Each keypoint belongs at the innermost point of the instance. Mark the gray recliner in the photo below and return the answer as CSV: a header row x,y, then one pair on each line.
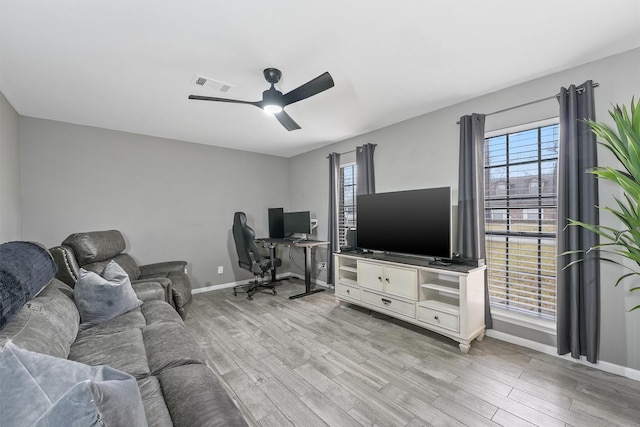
x,y
93,250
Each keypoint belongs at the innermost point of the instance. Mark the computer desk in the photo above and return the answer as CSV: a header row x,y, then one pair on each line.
x,y
306,245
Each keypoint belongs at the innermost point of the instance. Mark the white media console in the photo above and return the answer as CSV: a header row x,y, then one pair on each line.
x,y
448,300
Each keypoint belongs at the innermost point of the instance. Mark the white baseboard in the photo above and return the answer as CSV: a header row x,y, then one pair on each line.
x,y
612,368
232,284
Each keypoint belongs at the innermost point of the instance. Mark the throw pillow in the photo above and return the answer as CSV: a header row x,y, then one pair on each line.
x,y
103,297
40,390
25,268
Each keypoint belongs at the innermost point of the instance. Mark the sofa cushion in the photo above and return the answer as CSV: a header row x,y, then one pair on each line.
x,y
169,345
195,397
123,350
95,246
40,390
154,405
102,298
25,269
47,324
129,320
159,311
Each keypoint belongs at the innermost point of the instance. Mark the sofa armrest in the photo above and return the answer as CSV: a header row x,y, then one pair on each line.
x,y
163,283
149,291
162,267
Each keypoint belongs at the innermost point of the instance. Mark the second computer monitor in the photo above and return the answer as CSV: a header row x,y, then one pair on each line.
x,y
276,222
297,222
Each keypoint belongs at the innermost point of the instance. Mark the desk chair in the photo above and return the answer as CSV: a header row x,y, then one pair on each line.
x,y
250,258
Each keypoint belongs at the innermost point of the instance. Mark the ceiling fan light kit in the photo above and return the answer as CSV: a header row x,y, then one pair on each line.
x,y
273,101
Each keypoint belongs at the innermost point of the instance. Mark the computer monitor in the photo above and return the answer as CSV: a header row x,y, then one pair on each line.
x,y
276,223
297,222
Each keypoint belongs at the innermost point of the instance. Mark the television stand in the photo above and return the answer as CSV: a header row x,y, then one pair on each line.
x,y
447,299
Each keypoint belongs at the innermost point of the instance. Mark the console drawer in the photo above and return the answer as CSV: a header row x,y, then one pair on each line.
x,y
439,318
389,303
348,291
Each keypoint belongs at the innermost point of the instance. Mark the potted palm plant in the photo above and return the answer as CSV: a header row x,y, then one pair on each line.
x,y
624,143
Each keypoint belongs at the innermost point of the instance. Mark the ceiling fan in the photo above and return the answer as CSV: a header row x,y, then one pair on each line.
x,y
273,101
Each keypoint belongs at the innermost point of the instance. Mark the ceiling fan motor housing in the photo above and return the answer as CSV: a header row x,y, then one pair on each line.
x,y
272,75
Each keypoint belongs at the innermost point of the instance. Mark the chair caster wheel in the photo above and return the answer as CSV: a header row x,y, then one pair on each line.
x,y
235,294
274,292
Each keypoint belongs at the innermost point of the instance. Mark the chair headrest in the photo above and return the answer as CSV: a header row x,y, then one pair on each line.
x,y
94,246
240,218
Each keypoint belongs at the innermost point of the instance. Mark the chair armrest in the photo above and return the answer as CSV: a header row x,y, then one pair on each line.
x,y
162,267
255,267
149,291
164,283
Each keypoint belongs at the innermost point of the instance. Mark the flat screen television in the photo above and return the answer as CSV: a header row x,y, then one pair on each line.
x,y
413,222
297,222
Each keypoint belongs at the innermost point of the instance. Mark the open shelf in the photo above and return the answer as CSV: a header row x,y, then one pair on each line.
x,y
442,286
349,282
348,268
440,306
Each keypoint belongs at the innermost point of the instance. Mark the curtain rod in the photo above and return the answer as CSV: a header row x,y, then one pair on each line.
x,y
531,102
352,151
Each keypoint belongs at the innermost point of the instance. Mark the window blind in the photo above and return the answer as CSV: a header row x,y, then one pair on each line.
x,y
347,206
520,220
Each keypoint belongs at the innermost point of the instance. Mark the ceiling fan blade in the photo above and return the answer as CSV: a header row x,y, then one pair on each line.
x,y
287,121
319,84
211,98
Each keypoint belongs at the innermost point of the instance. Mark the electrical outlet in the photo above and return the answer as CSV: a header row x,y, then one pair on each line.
x,y
220,269
322,265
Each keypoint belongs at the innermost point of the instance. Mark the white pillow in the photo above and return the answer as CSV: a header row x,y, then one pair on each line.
x,y
103,297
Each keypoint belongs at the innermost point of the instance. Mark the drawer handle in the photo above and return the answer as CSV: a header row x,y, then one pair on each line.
x,y
348,291
387,279
386,301
380,278
435,317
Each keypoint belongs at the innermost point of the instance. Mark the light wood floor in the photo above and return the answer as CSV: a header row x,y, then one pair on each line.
x,y
315,362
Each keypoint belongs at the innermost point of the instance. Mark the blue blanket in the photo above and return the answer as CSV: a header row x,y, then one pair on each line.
x,y
25,268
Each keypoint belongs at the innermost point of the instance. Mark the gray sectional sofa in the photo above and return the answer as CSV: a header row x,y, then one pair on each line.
x,y
149,342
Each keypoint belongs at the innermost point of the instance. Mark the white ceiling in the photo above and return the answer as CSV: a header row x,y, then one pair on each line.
x,y
129,65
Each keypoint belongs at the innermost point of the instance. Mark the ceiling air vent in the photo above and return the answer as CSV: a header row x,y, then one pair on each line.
x,y
212,84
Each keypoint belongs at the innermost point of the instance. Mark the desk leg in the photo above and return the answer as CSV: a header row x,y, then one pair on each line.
x,y
272,253
307,276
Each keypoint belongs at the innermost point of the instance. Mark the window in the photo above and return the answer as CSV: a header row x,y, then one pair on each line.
x,y
347,207
520,219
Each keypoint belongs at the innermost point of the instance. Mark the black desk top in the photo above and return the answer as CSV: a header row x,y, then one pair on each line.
x,y
292,242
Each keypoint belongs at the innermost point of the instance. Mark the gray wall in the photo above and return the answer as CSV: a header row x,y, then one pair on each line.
x,y
171,199
423,152
10,210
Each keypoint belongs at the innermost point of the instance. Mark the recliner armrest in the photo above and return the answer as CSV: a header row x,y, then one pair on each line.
x,y
163,283
162,267
149,291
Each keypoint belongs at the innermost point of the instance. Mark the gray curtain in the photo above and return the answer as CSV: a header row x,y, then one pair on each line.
x,y
578,288
365,176
471,197
334,203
